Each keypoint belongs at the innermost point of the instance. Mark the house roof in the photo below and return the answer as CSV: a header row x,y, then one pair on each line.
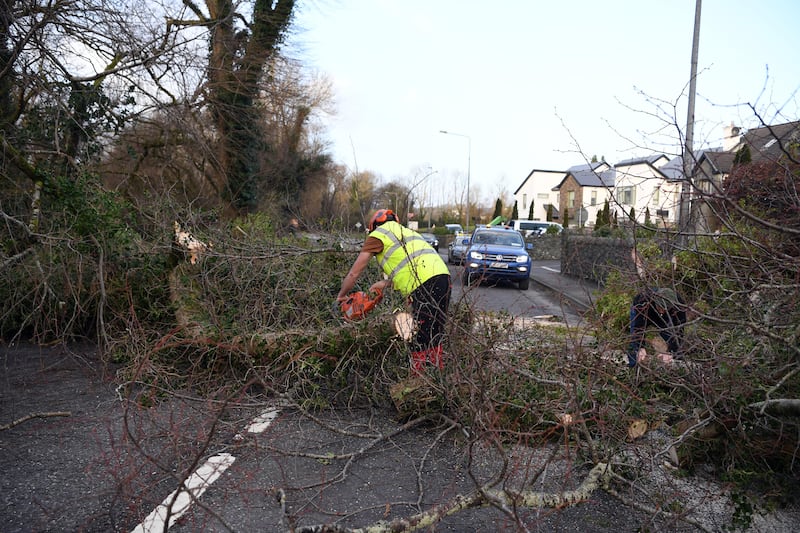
x,y
673,169
530,175
721,162
767,142
595,165
770,142
647,160
598,174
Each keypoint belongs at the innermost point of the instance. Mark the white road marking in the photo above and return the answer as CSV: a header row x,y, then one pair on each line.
x,y
180,500
262,421
195,485
557,271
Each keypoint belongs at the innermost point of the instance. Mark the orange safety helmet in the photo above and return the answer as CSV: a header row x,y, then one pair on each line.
x,y
381,216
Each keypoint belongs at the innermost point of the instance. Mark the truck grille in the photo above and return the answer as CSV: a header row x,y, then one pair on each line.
x,y
500,257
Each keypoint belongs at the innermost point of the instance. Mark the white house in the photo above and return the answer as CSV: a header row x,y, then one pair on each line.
x,y
537,188
648,184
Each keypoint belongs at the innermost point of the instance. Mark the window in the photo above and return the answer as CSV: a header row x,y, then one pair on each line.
x,y
543,196
571,199
656,195
593,200
625,195
524,201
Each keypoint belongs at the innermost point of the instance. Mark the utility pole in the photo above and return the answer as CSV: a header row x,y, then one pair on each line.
x,y
688,149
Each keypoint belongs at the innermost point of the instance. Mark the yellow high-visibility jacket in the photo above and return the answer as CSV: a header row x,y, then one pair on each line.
x,y
406,258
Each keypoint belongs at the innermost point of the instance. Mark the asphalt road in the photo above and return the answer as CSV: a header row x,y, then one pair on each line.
x,y
505,297
106,468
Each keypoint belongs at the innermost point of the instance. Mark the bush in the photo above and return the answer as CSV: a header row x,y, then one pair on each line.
x,y
86,268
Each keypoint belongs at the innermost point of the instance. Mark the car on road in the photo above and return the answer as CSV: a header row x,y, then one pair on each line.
x,y
431,239
457,249
532,228
498,253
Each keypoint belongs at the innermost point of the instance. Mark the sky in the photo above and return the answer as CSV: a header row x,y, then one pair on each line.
x,y
535,84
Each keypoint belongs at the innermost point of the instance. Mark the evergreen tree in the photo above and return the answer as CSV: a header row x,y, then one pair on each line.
x,y
632,215
565,222
530,212
549,212
743,156
603,217
514,212
498,209
647,222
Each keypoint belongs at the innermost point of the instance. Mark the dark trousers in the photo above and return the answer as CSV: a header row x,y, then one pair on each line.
x,y
669,323
429,304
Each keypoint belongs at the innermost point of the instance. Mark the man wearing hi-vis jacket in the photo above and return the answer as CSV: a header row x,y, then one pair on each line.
x,y
414,269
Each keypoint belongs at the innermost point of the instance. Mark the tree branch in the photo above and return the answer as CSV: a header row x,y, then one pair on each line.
x,y
18,159
598,477
778,406
651,510
32,416
14,258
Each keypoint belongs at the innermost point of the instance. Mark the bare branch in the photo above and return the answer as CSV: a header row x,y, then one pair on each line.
x,y
25,418
597,477
778,406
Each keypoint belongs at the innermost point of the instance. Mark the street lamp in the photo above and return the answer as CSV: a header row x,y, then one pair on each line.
x,y
469,158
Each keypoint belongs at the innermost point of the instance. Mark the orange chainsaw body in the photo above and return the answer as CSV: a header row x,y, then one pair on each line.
x,y
358,304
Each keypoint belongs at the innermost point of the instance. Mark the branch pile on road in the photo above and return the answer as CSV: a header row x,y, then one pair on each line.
x,y
252,311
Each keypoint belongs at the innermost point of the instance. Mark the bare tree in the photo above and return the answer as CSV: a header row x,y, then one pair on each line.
x,y
59,66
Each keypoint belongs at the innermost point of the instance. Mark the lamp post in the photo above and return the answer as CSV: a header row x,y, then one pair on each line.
x,y
469,158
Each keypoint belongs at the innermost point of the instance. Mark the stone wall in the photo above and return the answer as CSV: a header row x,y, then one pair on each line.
x,y
545,247
594,258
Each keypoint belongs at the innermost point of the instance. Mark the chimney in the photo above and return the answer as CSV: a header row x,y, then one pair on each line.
x,y
731,137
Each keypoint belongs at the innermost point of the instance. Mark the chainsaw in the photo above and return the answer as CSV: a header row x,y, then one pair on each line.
x,y
358,304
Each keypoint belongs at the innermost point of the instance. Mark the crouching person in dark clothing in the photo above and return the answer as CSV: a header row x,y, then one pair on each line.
x,y
662,309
